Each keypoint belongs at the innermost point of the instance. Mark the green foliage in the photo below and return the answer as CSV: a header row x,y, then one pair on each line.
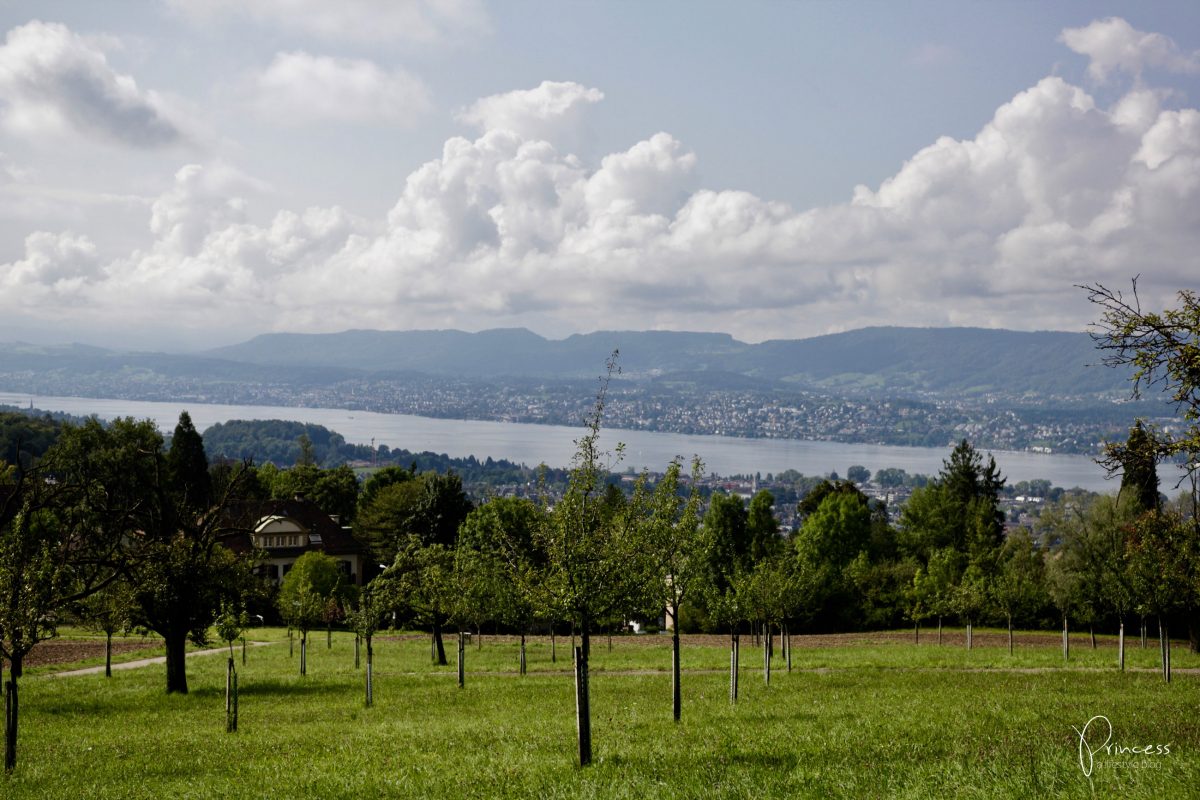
x,y
150,507
499,562
761,526
1138,461
1163,348
675,547
23,438
231,621
1018,589
313,581
430,507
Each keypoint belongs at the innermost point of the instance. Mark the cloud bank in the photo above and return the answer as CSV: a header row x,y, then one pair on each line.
x,y
509,227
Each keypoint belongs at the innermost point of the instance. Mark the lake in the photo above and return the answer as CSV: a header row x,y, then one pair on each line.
x,y
554,444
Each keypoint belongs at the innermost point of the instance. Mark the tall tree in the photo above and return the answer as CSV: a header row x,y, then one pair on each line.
x,y
762,527
1163,348
157,505
1138,462
430,506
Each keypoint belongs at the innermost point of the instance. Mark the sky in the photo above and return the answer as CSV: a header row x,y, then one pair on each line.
x,y
184,174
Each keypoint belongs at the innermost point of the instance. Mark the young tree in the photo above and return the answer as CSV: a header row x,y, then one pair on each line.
x,y
305,592
1161,553
678,550
590,549
230,624
365,621
108,611
496,548
420,584
47,563
1019,586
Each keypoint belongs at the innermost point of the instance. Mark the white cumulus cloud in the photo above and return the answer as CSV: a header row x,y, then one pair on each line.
x,y
544,112
53,81
298,88
1113,45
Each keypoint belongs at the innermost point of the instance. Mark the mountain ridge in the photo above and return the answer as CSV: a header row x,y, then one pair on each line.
x,y
880,360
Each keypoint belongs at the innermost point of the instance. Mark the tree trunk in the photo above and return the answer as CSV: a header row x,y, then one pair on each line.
x,y
970,640
462,657
1010,635
789,648
1143,633
230,722
1121,646
676,696
939,628
370,666
176,644
11,715
11,707
357,640
304,652
291,646
553,645
243,650
329,637
916,632
766,646
1092,633
1066,641
108,654
437,641
522,652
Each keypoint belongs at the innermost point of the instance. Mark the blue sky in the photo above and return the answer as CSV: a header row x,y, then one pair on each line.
x,y
179,174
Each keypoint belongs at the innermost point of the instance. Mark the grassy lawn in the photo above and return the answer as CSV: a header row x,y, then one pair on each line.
x,y
868,719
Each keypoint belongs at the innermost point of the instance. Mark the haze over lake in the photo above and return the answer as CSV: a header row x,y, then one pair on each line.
x,y
554,444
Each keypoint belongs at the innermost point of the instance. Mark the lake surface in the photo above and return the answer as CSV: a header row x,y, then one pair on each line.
x,y
554,444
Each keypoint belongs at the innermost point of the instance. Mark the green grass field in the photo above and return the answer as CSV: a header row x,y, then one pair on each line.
x,y
872,718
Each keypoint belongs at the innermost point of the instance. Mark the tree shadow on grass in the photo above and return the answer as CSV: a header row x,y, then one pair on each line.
x,y
272,687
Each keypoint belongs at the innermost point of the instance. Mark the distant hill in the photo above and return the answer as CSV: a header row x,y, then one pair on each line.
x,y
963,361
505,352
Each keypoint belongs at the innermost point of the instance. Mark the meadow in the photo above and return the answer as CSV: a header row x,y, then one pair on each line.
x,y
861,716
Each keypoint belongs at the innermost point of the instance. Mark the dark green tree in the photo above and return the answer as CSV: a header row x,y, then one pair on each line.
x,y
156,505
762,527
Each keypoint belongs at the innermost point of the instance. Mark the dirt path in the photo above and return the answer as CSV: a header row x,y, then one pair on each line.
x,y
145,662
